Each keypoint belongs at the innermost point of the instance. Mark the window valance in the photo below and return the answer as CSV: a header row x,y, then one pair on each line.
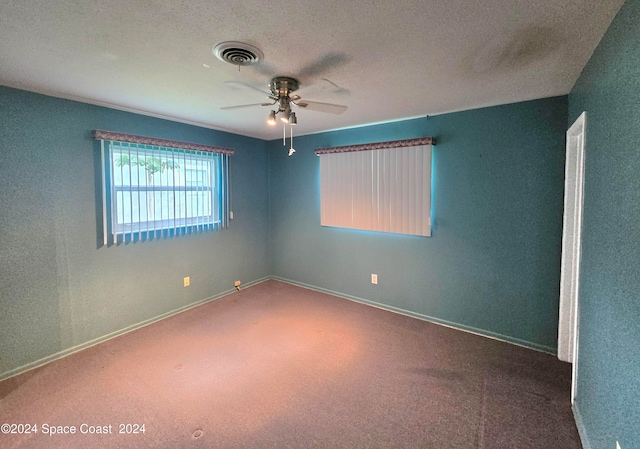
x,y
378,146
142,140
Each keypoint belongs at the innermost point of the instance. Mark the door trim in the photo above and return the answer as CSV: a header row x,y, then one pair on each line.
x,y
568,325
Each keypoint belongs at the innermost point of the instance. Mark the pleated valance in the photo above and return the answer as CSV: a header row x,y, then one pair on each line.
x,y
378,145
142,140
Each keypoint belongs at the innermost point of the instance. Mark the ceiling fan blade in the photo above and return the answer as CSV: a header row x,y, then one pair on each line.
x,y
322,107
246,106
324,64
247,86
337,89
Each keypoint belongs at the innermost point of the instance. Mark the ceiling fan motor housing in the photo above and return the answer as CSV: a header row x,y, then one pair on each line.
x,y
283,86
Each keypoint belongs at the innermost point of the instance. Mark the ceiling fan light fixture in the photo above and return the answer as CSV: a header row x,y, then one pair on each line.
x,y
272,118
281,88
285,115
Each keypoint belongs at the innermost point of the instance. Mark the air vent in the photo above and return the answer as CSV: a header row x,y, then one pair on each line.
x,y
237,53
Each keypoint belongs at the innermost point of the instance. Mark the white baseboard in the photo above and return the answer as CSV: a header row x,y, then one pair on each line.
x,y
88,344
450,324
457,326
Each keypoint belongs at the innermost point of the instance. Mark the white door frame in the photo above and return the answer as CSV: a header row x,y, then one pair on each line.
x,y
568,326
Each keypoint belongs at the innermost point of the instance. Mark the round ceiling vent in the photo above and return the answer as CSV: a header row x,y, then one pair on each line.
x,y
237,53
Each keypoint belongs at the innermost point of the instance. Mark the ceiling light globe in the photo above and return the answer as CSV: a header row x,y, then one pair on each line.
x,y
272,118
285,115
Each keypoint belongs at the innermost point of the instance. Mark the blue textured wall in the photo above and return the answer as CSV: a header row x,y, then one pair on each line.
x,y
493,262
57,289
608,395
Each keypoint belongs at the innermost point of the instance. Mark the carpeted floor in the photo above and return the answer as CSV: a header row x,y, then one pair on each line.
x,y
278,366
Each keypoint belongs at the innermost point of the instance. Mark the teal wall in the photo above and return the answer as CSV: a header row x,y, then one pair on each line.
x,y
493,262
58,290
608,397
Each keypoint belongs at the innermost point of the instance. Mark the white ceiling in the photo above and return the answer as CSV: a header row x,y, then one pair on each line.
x,y
390,60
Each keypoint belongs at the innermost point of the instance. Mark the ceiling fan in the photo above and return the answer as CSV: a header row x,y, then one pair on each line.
x,y
281,88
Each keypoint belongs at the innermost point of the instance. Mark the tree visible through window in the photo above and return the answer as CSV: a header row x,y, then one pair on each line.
x,y
162,190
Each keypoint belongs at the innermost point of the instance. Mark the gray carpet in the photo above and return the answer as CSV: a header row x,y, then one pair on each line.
x,y
278,366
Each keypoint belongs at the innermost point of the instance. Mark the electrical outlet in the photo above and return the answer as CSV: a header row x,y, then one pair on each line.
x,y
374,278
187,281
236,284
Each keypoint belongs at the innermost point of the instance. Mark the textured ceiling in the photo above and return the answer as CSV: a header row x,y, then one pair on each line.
x,y
385,60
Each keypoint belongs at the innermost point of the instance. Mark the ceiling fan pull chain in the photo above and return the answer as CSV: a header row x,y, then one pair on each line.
x,y
291,150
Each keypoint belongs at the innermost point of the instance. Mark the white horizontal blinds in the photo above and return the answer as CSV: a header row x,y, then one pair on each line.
x,y
154,191
386,189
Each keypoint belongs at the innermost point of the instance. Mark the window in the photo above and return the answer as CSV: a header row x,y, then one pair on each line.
x,y
156,188
382,187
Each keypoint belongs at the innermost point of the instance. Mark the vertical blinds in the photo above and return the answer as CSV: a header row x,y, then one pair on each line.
x,y
384,187
156,188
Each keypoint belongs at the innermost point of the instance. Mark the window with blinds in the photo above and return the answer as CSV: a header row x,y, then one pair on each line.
x,y
157,188
383,187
